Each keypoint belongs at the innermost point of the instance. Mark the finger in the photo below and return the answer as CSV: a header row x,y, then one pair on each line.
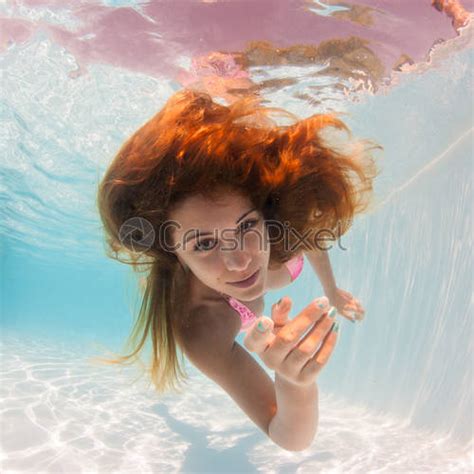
x,y
294,329
259,335
360,308
355,307
328,345
281,311
348,314
313,339
316,363
355,310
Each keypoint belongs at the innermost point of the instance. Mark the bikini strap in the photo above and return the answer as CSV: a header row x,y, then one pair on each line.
x,y
247,316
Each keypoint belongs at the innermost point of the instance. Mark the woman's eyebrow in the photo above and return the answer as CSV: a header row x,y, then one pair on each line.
x,y
243,215
201,234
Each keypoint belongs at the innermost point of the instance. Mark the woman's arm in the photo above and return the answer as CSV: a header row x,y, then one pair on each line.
x,y
208,342
319,260
295,423
346,304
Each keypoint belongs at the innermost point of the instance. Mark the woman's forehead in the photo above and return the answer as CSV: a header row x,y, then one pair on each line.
x,y
211,207
203,215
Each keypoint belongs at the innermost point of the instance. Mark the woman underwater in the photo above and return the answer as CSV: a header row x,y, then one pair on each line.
x,y
219,199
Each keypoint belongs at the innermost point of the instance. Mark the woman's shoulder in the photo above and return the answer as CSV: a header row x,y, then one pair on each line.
x,y
208,314
278,277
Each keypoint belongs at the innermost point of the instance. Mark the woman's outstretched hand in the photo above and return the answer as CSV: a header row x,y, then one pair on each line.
x,y
346,304
281,345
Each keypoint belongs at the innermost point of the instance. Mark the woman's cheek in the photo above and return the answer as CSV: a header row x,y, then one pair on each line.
x,y
212,263
264,239
257,237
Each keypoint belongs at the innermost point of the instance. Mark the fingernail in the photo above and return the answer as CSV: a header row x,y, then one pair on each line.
x,y
261,326
322,302
279,301
335,327
332,312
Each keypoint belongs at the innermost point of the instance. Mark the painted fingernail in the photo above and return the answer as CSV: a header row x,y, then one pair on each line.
x,y
335,327
332,312
261,326
322,302
279,301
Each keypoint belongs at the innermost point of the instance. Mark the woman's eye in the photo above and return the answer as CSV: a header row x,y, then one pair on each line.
x,y
253,222
202,247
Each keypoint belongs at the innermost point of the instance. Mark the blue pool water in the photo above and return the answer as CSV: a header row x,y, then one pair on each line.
x,y
396,396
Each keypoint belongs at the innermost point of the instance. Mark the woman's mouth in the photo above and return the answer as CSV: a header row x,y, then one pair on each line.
x,y
248,282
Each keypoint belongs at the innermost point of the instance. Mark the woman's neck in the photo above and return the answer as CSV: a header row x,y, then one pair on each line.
x,y
199,292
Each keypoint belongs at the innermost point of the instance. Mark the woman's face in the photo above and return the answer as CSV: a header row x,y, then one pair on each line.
x,y
222,242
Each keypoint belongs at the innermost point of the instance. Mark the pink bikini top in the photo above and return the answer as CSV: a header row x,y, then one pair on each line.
x,y
295,266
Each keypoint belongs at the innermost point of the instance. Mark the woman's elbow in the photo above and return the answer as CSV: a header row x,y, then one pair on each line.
x,y
296,447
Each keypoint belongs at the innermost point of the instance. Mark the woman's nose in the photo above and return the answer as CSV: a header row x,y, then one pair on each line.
x,y
236,261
